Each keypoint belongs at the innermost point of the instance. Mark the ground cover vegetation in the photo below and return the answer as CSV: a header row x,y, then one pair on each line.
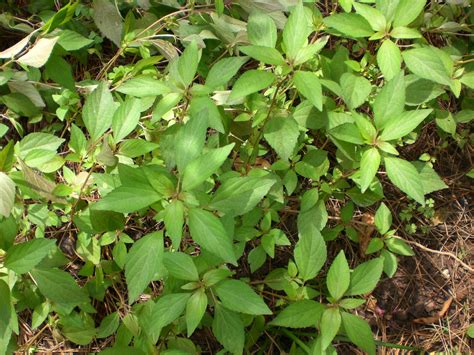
x,y
245,176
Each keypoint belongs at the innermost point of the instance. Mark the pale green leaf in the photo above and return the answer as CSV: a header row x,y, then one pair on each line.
x,y
407,11
349,24
209,232
224,70
310,253
261,30
296,31
174,221
228,329
195,309
126,118
282,135
126,199
22,257
251,81
405,176
373,16
369,165
98,111
239,297
390,101
403,124
359,332
143,86
355,89
307,83
168,308
265,55
38,55
427,64
7,193
180,266
300,314
365,277
383,219
338,276
389,59
330,324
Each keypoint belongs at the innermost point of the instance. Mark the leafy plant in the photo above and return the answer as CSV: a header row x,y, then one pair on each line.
x,y
170,144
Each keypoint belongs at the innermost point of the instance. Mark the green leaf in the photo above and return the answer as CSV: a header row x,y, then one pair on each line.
x,y
365,277
209,232
78,328
7,191
296,31
300,314
399,246
369,165
59,287
310,253
355,89
126,199
126,118
390,101
239,297
108,325
373,16
98,111
181,266
389,59
60,71
307,83
143,86
383,219
20,104
168,308
174,221
190,140
263,54
204,106
228,329
330,324
427,64
347,132
429,178
359,332
195,309
224,70
72,41
349,24
390,263
144,262
22,257
251,81
338,276
6,308
403,124
203,167
282,134
405,176
239,195
188,63
108,20
402,32
261,30
407,11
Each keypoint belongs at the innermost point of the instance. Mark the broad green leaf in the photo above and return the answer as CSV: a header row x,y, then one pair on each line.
x,y
310,51
190,139
429,178
60,71
351,303
349,24
355,89
144,263
239,195
38,55
209,232
168,308
405,176
365,277
369,165
307,83
126,199
346,5
206,107
403,124
98,111
195,309
239,297
197,171
108,20
7,191
402,32
72,41
181,266
300,314
39,141
383,219
78,328
251,81
310,253
22,257
407,11
174,221
59,287
427,64
261,30
166,104
263,54
347,132
5,307
315,217
399,246
296,31
108,325
188,63
126,118
143,86
282,134
224,70
389,59
40,313
359,332
330,324
373,16
338,276
390,101
228,329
